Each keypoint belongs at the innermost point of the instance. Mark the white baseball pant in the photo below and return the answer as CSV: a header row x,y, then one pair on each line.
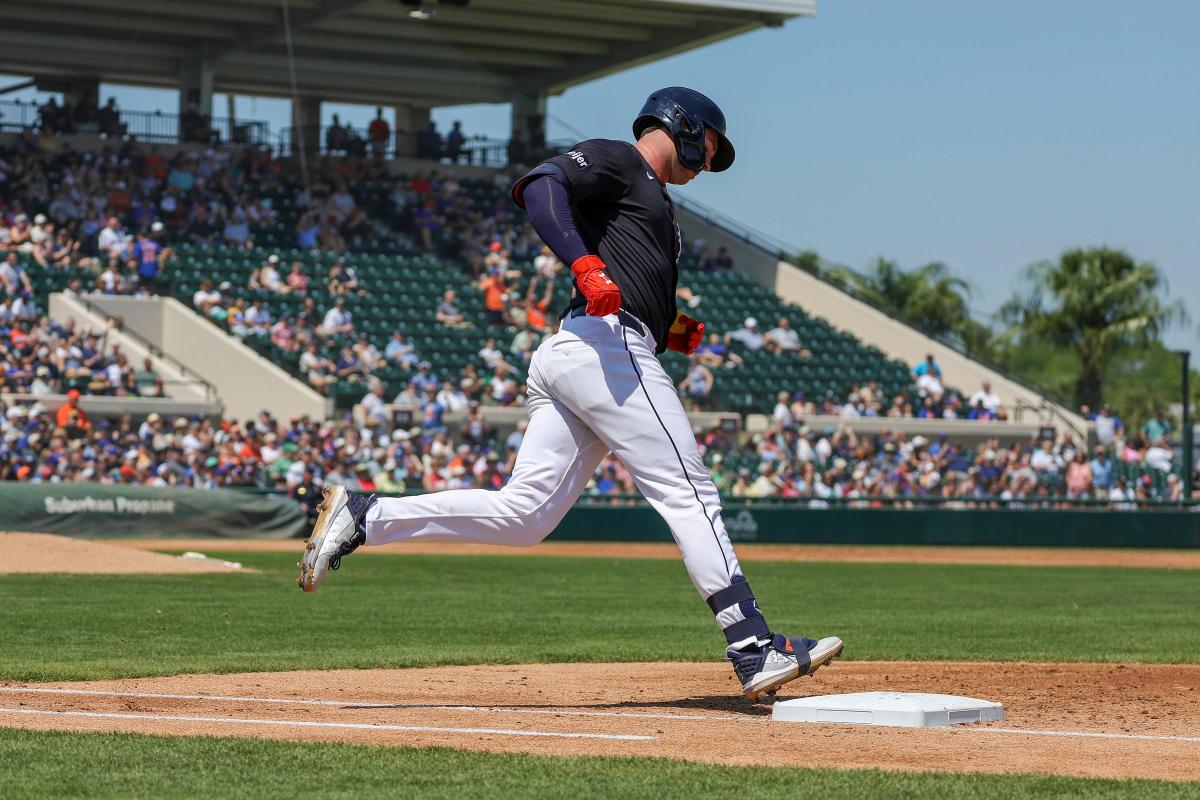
x,y
594,386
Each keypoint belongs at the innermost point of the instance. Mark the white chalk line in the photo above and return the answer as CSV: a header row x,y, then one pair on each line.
x,y
365,704
1088,734
357,726
361,704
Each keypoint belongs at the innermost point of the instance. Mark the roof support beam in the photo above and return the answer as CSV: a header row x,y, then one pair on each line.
x,y
464,36
667,43
298,20
334,45
86,23
633,30
207,10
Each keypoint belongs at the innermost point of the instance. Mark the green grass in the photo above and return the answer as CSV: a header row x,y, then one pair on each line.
x,y
97,765
398,611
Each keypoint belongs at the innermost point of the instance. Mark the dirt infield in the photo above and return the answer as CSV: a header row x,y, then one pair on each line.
x,y
44,552
1087,720
1011,556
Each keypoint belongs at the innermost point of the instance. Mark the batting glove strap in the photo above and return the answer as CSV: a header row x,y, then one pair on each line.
x,y
602,295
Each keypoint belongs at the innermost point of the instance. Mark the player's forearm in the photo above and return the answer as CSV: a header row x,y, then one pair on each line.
x,y
549,206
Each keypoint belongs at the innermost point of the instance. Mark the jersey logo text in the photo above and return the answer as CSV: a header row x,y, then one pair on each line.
x,y
579,159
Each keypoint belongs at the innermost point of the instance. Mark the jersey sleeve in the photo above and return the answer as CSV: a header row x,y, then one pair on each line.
x,y
595,170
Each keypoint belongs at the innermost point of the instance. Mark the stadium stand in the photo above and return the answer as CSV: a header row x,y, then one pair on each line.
x,y
352,298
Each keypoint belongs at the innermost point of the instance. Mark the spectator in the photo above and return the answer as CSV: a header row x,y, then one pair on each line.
x,y
714,353
495,297
297,281
148,257
401,351
375,407
1044,459
501,389
1108,427
1158,455
429,143
379,133
986,398
237,229
111,241
13,276
147,380
108,119
320,371
308,231
546,264
424,378
368,354
1157,427
70,416
491,355
335,137
206,297
338,321
536,310
1079,476
928,377
448,313
782,339
1101,468
748,335
268,276
454,143
697,384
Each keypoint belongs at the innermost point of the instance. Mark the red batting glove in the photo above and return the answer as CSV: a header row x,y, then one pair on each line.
x,y
602,295
685,334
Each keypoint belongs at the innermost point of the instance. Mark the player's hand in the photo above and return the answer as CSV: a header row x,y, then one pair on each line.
x,y
685,334
602,295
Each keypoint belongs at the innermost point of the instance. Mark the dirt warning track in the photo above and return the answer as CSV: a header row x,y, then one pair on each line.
x,y
1091,720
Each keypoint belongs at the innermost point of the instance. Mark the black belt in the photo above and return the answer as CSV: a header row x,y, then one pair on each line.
x,y
624,317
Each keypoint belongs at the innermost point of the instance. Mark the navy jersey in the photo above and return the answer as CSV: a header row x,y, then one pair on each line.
x,y
624,216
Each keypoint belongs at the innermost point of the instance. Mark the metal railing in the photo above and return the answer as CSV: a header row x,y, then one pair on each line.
x,y
476,150
155,127
192,378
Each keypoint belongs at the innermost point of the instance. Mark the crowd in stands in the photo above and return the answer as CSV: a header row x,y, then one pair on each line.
x,y
386,452
46,358
123,211
837,465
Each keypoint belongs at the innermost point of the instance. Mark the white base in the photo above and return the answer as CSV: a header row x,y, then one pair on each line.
x,y
894,709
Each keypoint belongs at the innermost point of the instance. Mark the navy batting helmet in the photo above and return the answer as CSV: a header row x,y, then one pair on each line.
x,y
685,113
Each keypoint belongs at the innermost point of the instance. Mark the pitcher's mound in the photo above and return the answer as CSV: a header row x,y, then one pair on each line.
x,y
45,552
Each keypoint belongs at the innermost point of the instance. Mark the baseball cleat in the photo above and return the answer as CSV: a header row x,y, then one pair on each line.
x,y
763,670
339,530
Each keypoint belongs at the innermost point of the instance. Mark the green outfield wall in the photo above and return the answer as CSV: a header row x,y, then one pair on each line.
x,y
138,511
92,509
1001,527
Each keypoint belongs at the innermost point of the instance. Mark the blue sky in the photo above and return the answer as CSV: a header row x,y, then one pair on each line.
x,y
984,135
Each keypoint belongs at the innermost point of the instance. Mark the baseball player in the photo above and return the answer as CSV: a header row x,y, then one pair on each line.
x,y
597,386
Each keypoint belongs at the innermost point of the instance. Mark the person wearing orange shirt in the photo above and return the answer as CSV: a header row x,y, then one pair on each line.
x,y
535,312
70,415
495,292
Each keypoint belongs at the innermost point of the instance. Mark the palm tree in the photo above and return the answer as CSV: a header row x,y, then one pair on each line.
x,y
929,297
1094,302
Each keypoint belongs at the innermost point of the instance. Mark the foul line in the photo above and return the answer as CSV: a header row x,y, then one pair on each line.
x,y
1088,734
366,704
358,726
361,704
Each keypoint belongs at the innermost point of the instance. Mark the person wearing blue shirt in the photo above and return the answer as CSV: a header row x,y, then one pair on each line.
x,y
145,253
1102,470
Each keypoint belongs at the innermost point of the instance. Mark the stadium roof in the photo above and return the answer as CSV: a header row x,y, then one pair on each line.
x,y
371,51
